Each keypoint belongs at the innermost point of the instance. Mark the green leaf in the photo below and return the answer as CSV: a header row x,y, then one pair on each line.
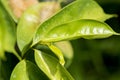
x,y
89,29
7,32
31,19
26,70
79,9
58,53
9,9
51,67
67,50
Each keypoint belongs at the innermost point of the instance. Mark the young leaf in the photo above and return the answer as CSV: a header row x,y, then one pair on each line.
x,y
31,19
51,67
79,9
26,70
67,50
58,53
89,29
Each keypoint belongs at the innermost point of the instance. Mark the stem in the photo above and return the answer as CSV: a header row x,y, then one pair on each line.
x,y
18,56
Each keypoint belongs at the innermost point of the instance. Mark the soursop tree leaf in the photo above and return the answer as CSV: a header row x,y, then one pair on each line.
x,y
88,29
79,9
51,66
32,18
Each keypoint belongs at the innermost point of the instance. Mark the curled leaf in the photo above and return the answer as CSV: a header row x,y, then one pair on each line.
x,y
67,50
58,53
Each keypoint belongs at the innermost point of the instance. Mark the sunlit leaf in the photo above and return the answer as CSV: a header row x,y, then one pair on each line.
x,y
26,70
31,19
89,29
51,67
79,9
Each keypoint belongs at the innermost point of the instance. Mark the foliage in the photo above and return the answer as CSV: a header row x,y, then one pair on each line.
x,y
40,38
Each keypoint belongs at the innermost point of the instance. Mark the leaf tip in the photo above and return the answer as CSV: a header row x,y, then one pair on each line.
x,y
108,16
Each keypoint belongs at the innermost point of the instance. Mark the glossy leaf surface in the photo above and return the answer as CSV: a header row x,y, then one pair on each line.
x,y
89,29
79,9
26,70
7,32
51,67
31,19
